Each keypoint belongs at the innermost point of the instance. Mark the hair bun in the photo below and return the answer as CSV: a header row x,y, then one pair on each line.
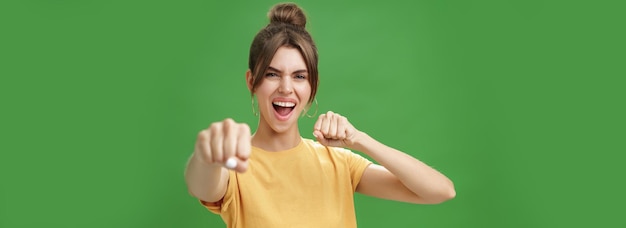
x,y
288,13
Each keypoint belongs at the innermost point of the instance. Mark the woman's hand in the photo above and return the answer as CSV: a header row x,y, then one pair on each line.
x,y
225,143
332,129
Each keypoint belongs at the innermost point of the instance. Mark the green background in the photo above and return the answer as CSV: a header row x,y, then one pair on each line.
x,y
520,103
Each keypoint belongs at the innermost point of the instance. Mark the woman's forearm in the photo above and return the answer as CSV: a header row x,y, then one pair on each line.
x,y
417,176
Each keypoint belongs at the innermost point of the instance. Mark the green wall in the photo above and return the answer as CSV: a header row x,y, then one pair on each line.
x,y
520,103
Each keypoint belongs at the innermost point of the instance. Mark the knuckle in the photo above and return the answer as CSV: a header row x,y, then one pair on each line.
x,y
215,126
213,131
228,122
203,135
244,128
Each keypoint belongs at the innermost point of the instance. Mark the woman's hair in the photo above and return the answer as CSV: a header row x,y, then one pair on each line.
x,y
286,29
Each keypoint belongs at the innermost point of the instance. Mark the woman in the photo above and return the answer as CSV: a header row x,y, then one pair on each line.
x,y
277,178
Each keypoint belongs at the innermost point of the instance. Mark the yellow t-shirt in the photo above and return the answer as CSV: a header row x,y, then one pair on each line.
x,y
309,185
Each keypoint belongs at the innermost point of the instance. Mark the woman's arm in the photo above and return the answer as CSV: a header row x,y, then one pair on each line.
x,y
206,177
398,177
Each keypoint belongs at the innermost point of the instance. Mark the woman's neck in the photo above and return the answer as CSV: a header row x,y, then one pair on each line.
x,y
269,140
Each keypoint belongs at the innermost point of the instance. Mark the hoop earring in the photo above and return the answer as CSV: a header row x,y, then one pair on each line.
x,y
254,112
315,113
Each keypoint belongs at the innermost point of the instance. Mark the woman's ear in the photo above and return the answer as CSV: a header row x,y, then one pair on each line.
x,y
249,80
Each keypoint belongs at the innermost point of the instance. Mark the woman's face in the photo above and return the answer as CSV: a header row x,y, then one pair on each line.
x,y
284,91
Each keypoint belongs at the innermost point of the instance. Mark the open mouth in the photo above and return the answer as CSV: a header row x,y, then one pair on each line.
x,y
283,108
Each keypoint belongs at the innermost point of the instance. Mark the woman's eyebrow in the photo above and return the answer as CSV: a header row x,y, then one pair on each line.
x,y
270,68
299,71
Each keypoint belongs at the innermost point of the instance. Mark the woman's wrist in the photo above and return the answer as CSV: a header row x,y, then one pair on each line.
x,y
360,141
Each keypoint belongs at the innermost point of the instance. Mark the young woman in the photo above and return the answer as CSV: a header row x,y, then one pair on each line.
x,y
277,178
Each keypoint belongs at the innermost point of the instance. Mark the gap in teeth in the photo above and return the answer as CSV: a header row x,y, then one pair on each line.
x,y
284,104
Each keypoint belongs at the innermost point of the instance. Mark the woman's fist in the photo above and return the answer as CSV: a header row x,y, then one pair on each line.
x,y
332,129
226,143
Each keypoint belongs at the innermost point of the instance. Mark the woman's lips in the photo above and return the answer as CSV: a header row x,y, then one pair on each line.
x,y
283,109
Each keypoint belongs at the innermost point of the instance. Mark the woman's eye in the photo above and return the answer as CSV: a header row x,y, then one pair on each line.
x,y
300,76
271,75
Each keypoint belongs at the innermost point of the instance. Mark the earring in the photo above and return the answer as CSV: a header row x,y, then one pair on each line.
x,y
315,113
254,112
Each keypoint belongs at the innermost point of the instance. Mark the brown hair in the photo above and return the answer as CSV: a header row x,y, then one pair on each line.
x,y
286,29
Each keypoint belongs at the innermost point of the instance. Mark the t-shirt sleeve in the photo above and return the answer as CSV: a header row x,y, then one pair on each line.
x,y
356,165
221,205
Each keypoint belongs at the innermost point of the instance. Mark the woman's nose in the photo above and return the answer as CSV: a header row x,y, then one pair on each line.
x,y
285,86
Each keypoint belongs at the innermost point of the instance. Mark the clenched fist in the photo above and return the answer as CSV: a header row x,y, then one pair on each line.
x,y
332,129
226,143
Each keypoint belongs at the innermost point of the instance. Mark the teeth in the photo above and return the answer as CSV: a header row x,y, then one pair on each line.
x,y
284,104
